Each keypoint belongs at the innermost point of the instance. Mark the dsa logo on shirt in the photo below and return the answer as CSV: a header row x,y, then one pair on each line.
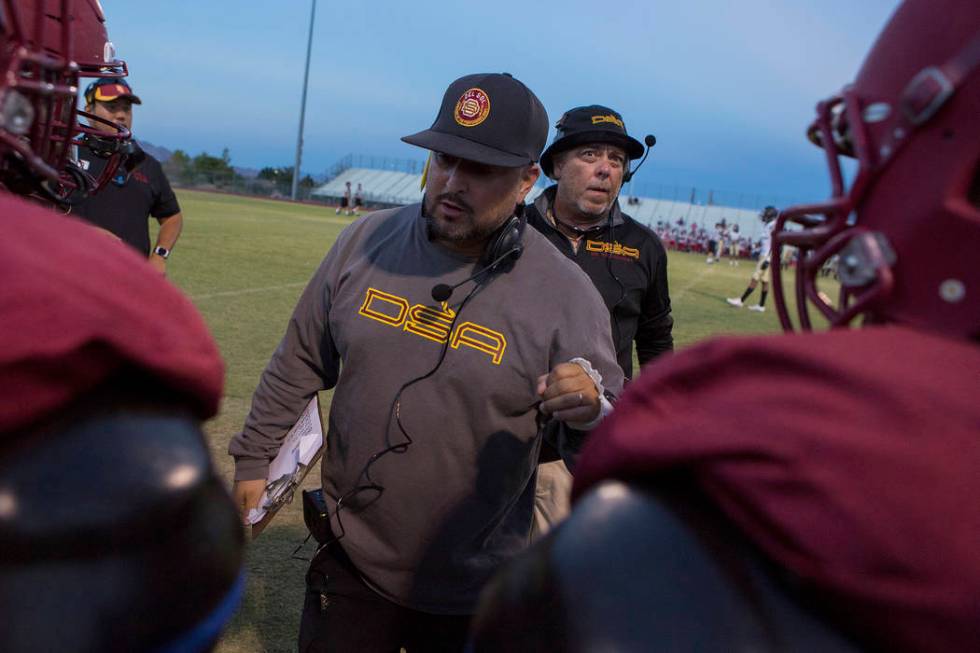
x,y
614,248
432,324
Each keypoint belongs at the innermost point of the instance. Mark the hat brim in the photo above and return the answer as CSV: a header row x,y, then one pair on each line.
x,y
109,98
633,148
465,149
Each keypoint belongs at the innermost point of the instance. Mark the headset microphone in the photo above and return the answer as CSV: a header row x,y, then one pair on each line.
x,y
650,140
442,292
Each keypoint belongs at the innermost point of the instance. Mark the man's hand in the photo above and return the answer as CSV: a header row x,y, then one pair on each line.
x,y
159,263
569,394
246,495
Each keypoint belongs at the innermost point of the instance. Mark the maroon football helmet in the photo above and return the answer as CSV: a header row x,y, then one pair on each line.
x,y
45,47
907,229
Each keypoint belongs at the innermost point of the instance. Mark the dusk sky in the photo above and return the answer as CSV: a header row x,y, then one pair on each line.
x,y
727,86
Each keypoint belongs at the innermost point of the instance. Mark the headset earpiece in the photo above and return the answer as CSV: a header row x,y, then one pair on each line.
x,y
503,248
506,241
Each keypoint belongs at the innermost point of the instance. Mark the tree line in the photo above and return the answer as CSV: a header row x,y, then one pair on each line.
x,y
217,171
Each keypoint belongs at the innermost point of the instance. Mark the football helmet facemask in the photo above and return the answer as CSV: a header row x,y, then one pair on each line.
x,y
46,46
907,227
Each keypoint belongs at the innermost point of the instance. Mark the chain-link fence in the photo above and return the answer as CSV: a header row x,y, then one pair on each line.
x,y
238,185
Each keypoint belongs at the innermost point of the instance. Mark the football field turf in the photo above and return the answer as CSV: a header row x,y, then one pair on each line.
x,y
244,263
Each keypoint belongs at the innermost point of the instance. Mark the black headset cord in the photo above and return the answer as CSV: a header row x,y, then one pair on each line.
x,y
400,447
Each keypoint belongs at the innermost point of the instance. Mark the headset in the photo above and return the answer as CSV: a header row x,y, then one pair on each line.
x,y
506,243
503,248
649,140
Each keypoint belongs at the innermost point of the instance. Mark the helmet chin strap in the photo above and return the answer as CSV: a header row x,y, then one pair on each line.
x,y
64,195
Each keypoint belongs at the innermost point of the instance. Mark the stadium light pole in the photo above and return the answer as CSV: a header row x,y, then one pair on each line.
x,y
302,107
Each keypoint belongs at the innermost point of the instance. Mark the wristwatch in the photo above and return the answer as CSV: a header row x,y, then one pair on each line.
x,y
162,252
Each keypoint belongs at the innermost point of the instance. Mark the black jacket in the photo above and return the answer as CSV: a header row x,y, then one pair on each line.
x,y
629,268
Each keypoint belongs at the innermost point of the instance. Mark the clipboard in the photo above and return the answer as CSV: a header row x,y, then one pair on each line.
x,y
300,452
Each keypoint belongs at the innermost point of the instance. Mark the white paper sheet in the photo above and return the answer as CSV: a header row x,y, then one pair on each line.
x,y
299,447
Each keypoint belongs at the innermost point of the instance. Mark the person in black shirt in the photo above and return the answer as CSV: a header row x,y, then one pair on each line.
x,y
123,206
581,216
626,261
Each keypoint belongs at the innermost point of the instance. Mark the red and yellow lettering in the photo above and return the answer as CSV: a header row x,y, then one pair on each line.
x,y
481,338
374,304
595,246
614,248
430,323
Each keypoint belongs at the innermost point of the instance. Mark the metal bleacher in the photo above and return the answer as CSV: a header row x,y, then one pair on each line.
x,y
651,210
393,188
377,186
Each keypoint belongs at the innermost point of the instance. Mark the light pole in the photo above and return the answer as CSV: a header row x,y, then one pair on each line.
x,y
302,106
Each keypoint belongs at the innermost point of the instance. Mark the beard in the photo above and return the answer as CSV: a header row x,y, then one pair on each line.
x,y
464,230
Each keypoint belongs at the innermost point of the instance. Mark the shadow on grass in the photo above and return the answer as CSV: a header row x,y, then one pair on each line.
x,y
268,619
707,294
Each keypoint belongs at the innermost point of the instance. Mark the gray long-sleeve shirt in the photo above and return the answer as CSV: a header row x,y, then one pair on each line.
x,y
458,501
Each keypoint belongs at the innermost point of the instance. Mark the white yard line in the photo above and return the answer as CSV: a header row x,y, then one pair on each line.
x,y
692,282
247,291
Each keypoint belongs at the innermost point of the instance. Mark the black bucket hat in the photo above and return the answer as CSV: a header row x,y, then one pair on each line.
x,y
488,118
591,124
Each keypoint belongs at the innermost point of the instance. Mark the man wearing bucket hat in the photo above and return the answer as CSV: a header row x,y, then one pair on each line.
x,y
589,160
580,214
451,334
125,204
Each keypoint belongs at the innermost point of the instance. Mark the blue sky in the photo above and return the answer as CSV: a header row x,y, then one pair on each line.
x,y
727,86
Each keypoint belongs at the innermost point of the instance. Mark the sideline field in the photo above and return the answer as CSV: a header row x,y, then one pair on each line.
x,y
244,263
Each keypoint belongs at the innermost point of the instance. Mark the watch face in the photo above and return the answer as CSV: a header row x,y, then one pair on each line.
x,y
162,251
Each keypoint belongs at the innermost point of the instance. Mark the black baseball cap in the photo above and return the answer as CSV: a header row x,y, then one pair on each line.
x,y
591,124
107,89
488,118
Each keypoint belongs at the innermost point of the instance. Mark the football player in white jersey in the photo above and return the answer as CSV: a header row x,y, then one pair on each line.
x,y
761,273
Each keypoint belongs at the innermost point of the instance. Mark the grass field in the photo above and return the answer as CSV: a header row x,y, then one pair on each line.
x,y
244,263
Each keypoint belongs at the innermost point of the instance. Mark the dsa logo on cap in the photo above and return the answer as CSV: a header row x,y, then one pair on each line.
x,y
598,120
472,108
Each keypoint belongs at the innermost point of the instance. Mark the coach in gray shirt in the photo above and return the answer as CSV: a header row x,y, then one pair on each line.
x,y
452,334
